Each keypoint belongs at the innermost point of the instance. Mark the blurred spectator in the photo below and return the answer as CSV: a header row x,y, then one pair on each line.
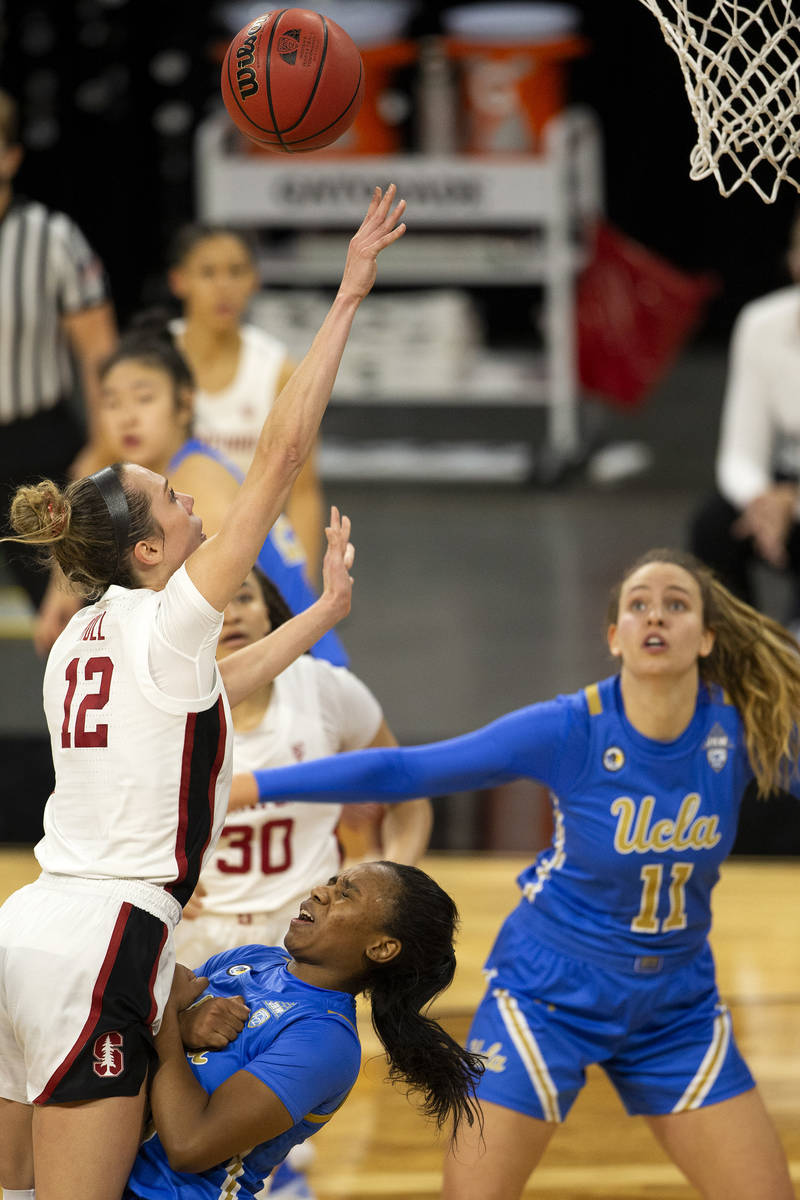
x,y
755,513
55,314
239,369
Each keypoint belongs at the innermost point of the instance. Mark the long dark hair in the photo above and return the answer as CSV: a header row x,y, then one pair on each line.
x,y
422,1055
754,659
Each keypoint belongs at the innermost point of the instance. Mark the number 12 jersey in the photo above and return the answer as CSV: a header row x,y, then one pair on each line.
x,y
139,724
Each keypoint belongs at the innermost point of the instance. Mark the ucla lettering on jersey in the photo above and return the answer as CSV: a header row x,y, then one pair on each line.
x,y
641,828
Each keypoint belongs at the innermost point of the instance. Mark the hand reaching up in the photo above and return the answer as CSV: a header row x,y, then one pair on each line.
x,y
377,231
337,582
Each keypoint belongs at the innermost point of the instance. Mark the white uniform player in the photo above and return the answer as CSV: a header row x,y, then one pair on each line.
x,y
230,420
268,856
124,525
132,694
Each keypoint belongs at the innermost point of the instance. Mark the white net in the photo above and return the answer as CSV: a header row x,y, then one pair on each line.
x,y
740,67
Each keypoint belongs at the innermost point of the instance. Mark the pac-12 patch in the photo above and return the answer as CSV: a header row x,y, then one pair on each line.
x,y
717,747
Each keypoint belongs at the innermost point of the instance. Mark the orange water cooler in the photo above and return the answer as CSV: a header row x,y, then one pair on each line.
x,y
512,65
378,28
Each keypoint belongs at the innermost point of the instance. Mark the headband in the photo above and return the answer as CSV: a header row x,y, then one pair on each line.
x,y
113,493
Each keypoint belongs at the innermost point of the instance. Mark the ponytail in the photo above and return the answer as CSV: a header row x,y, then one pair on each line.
x,y
422,1055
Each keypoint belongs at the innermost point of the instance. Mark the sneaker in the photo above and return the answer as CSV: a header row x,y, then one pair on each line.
x,y
288,1184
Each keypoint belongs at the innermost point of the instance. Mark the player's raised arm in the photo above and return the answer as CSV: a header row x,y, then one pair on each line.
x,y
219,565
253,666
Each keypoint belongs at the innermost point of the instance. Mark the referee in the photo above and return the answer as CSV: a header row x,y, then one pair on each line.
x,y
55,315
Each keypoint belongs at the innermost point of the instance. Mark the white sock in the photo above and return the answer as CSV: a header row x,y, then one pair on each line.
x,y
20,1194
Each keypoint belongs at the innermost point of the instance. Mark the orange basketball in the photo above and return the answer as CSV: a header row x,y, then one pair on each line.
x,y
292,80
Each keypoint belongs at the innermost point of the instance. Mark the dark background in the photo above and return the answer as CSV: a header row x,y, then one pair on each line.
x,y
112,91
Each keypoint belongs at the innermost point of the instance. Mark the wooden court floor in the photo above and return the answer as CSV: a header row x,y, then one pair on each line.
x,y
377,1148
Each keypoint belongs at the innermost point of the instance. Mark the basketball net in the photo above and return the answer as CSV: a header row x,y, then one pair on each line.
x,y
740,69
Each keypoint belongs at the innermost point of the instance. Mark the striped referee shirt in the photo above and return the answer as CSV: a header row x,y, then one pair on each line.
x,y
47,270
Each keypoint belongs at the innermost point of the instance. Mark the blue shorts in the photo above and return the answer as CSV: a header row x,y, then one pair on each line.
x,y
664,1040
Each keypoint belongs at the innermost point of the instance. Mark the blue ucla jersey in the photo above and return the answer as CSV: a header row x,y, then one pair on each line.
x,y
640,826
640,830
281,558
301,1041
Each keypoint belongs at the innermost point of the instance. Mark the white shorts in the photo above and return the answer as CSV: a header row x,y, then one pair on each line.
x,y
210,933
86,967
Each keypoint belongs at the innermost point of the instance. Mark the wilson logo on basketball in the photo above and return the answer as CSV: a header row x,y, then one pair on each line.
x,y
246,80
288,45
109,1061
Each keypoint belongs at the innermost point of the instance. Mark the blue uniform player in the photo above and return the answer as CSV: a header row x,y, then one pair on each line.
x,y
606,959
224,1118
300,1041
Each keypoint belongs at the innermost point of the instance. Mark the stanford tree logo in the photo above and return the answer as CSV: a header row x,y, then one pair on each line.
x,y
109,1061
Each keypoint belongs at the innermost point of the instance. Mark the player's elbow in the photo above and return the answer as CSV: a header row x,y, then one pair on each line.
x,y
190,1157
283,459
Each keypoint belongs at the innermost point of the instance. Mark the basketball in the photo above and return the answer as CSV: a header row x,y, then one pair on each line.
x,y
292,80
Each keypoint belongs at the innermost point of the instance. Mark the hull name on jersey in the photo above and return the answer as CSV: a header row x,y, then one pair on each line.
x,y
637,833
94,630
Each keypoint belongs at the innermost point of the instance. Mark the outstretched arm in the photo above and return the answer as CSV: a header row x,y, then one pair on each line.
x,y
220,564
253,666
523,743
406,828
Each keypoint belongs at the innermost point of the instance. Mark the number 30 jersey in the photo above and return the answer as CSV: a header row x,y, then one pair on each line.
x,y
138,723
640,826
269,855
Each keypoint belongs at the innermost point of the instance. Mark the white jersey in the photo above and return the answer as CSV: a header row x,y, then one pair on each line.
x,y
761,415
230,420
273,853
139,724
